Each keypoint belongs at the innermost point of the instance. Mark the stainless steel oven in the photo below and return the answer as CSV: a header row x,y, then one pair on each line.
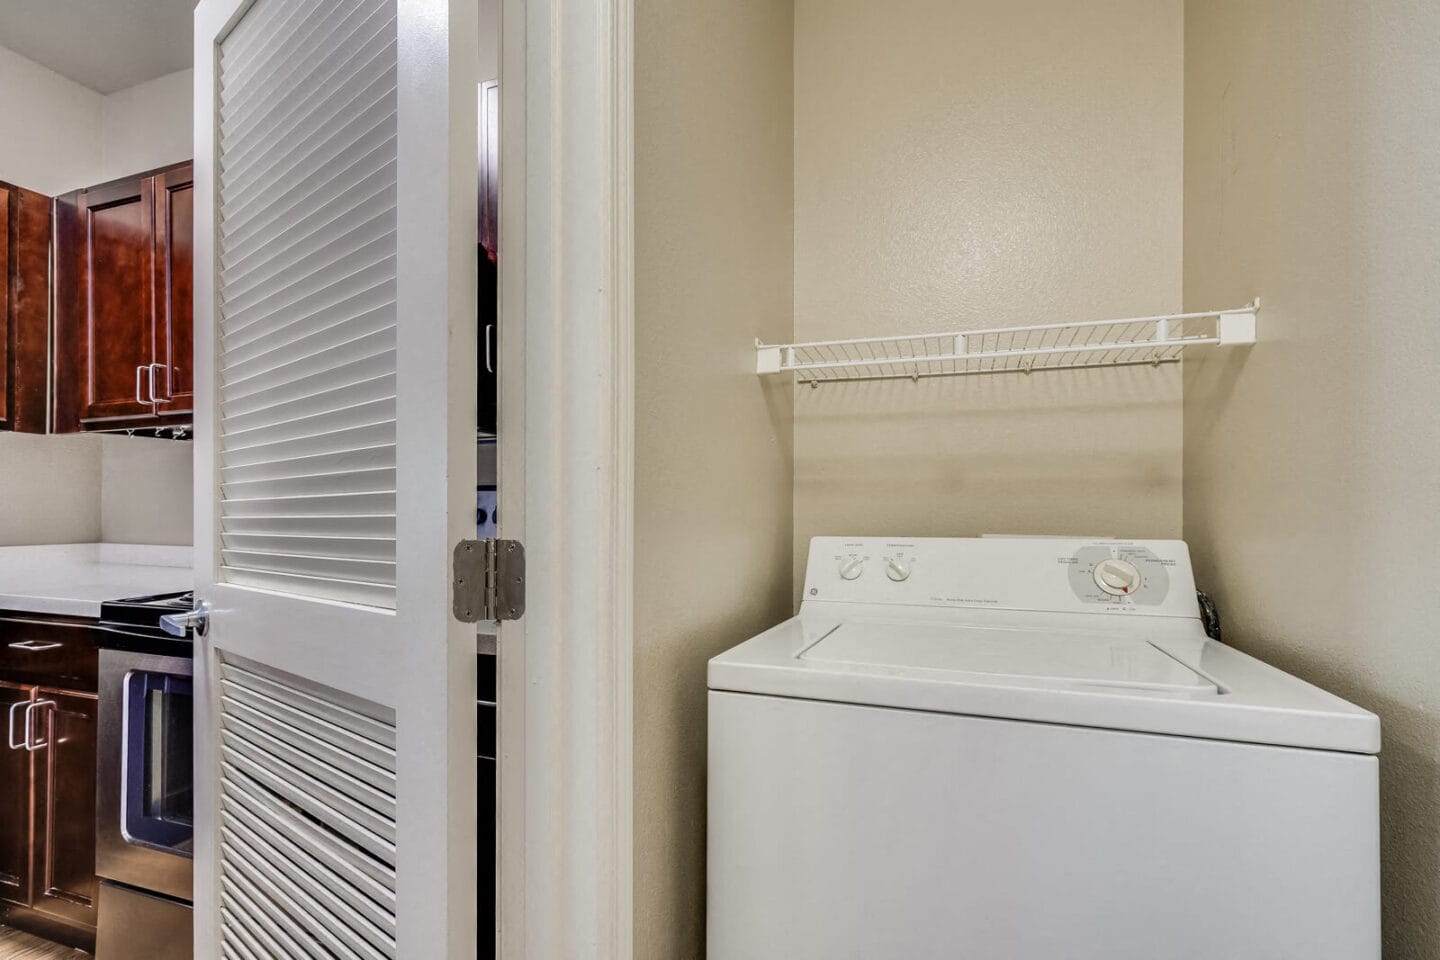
x,y
144,803
145,784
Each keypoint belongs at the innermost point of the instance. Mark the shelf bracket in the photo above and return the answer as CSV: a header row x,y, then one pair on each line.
x,y
1238,326
767,358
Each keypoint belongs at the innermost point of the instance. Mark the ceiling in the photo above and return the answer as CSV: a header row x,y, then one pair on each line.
x,y
106,45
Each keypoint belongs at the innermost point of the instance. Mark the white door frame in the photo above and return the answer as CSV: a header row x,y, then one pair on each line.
x,y
566,446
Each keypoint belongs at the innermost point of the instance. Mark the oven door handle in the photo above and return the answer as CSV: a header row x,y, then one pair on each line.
x,y
16,744
30,743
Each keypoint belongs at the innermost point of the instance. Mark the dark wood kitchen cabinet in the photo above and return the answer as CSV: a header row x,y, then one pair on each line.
x,y
174,194
48,702
123,311
64,776
14,799
24,308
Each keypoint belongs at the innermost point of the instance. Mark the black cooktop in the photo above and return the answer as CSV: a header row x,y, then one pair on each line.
x,y
134,624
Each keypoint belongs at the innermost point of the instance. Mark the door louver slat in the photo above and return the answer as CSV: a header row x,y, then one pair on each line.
x,y
325,931
338,140
366,437
325,52
294,206
355,311
353,414
307,704
335,67
314,403
306,22
266,262
338,782
310,891
348,474
257,939
319,526
369,879
307,830
337,889
330,127
258,28
375,369
380,343
254,36
321,588
377,480
306,338
309,507
375,549
370,223
346,266
361,571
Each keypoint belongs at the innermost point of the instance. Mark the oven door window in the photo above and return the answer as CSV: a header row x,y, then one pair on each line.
x,y
158,793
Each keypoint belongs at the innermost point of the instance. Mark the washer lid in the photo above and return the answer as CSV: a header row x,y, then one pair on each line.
x,y
1157,675
1009,654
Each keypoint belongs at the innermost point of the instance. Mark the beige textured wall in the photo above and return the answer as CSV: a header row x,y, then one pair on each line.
x,y
979,164
52,137
713,234
147,492
49,489
149,125
1312,504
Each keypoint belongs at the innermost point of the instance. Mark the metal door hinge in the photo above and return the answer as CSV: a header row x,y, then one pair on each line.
x,y
489,580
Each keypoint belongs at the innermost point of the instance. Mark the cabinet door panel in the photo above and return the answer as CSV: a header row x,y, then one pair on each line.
x,y
4,306
65,884
24,308
104,305
15,800
120,306
174,207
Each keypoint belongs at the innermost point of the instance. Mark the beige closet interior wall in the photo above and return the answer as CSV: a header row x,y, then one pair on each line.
x,y
1312,503
982,164
713,234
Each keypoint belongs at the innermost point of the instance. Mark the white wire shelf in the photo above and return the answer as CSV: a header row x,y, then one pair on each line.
x,y
1052,346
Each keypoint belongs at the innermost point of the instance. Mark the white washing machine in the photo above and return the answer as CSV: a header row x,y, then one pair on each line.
x,y
1028,749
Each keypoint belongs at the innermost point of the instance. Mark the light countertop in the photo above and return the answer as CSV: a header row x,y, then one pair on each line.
x,y
73,579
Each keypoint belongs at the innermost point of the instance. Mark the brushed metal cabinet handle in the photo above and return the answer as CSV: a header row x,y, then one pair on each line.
x,y
34,645
153,397
30,743
139,377
16,744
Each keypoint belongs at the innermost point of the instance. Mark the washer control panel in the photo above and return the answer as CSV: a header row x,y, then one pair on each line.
x,y
1119,573
1018,573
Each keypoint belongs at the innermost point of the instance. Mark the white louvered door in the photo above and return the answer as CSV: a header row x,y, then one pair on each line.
x,y
335,422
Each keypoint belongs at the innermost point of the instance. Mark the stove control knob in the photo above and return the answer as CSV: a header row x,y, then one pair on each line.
x,y
897,569
851,568
1117,577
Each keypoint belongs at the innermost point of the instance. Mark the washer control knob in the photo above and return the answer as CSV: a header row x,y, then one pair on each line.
x,y
851,568
897,569
1117,577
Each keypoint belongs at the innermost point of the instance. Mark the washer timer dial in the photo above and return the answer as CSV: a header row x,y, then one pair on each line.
x,y
1118,578
851,568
